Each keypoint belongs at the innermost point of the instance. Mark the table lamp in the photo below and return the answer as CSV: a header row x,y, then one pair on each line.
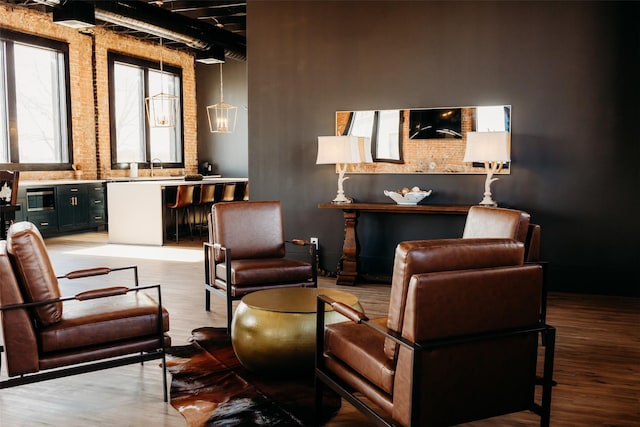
x,y
492,149
341,150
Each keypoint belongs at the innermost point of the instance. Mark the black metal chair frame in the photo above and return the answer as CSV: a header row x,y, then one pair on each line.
x,y
325,377
226,293
113,362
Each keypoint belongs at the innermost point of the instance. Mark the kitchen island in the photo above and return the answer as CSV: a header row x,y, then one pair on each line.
x,y
136,209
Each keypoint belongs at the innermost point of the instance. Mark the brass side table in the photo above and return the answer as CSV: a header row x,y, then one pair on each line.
x,y
273,331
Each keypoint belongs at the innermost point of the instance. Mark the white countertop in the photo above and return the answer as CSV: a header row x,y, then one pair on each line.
x,y
163,180
174,182
35,183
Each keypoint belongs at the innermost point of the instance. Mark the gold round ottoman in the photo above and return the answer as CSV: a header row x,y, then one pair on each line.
x,y
274,331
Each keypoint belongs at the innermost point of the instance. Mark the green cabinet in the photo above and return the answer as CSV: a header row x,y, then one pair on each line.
x,y
63,208
72,207
97,206
46,221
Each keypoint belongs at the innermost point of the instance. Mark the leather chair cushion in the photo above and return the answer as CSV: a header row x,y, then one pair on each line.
x,y
492,299
90,354
102,321
248,272
485,221
19,337
361,349
36,275
249,229
424,256
254,229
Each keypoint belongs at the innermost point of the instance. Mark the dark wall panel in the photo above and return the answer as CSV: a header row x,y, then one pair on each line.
x,y
228,152
567,69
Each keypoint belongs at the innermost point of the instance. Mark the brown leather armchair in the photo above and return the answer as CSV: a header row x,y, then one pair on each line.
x,y
485,221
460,342
49,336
246,252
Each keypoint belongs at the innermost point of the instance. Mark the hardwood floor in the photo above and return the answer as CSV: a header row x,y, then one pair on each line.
x,y
597,364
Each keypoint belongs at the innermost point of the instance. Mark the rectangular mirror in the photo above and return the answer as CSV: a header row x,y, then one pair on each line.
x,y
422,140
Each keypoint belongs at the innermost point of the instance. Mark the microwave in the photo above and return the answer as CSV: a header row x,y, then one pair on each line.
x,y
40,199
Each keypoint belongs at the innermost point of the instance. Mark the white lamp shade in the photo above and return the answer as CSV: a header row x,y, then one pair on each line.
x,y
487,147
343,149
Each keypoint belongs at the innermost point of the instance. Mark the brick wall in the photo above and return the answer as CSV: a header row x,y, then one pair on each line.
x,y
90,103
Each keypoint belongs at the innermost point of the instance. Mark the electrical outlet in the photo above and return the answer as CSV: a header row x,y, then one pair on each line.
x,y
314,242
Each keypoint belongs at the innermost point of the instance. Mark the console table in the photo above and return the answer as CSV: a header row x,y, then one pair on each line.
x,y
348,268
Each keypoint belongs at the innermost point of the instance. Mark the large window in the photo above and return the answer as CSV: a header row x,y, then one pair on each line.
x,y
132,139
34,99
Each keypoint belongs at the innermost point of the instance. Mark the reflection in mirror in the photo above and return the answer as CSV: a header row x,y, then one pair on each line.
x,y
435,123
381,126
422,140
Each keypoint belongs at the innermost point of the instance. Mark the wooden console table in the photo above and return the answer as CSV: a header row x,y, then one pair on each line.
x,y
348,268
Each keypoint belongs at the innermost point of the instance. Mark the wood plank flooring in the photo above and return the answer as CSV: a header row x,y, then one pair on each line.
x,y
597,363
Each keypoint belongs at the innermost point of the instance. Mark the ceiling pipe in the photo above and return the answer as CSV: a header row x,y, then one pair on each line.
x,y
143,17
52,3
145,27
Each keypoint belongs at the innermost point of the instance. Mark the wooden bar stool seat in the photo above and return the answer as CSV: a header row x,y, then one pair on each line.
x,y
181,206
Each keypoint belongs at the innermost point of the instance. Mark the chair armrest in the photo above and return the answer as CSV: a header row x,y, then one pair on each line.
x,y
217,247
101,293
86,295
299,242
347,311
356,317
98,271
543,307
76,274
312,254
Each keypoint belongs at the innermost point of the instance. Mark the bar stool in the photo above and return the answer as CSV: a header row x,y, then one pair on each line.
x,y
205,200
184,201
239,191
229,193
218,192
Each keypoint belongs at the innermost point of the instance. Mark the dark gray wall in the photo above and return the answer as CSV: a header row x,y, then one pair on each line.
x,y
227,151
569,70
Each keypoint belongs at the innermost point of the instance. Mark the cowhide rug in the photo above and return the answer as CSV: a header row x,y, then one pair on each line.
x,y
210,387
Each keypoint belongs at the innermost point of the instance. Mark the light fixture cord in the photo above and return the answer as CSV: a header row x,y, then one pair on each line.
x,y
221,89
161,70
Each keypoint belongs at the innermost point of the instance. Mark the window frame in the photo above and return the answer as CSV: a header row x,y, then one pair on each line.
x,y
10,38
112,58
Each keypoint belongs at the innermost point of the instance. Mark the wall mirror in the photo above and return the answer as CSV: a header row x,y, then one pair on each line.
x,y
422,140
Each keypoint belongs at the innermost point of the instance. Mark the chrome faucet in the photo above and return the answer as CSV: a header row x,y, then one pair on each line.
x,y
153,162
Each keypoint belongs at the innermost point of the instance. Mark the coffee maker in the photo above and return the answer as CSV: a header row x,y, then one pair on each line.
x,y
207,168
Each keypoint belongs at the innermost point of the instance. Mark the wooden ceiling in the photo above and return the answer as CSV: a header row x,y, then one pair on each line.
x,y
200,26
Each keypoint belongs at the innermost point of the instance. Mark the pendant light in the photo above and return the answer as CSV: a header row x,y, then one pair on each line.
x,y
222,116
162,107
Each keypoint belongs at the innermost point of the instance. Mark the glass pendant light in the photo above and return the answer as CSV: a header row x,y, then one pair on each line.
x,y
222,116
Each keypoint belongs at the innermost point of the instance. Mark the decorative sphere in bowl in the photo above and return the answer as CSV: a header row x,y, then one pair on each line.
x,y
412,197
